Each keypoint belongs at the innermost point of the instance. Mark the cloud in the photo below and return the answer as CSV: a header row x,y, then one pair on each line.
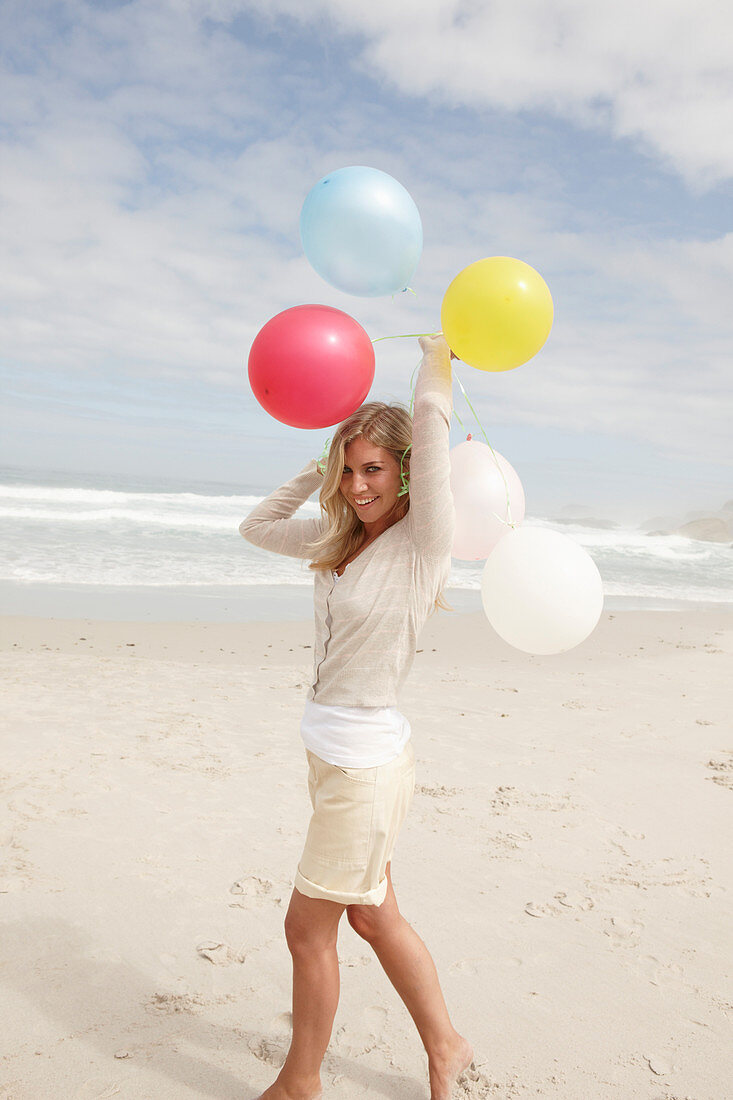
x,y
656,73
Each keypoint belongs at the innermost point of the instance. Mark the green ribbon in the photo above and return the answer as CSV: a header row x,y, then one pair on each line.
x,y
321,462
406,336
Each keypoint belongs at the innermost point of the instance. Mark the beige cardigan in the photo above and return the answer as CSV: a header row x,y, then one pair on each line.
x,y
380,603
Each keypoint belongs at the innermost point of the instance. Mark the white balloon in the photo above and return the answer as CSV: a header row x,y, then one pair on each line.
x,y
541,591
480,498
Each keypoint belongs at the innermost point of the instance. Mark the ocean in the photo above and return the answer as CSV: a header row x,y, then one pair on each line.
x,y
99,549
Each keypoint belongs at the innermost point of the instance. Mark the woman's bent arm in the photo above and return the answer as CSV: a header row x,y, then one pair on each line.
x,y
270,523
432,515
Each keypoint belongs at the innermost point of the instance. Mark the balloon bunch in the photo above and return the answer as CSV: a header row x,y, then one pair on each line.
x,y
311,366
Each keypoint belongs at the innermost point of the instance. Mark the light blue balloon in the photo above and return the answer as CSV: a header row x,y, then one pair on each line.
x,y
361,231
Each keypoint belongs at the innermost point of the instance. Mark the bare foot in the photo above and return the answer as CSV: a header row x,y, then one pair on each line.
x,y
445,1071
277,1091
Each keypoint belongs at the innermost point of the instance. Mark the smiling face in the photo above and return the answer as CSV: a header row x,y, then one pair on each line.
x,y
370,474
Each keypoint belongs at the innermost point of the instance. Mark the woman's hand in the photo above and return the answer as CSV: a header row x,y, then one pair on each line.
x,y
427,343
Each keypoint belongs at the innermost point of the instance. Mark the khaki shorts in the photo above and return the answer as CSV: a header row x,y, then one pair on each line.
x,y
357,814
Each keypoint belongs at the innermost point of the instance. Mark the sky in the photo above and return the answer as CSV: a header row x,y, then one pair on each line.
x,y
154,159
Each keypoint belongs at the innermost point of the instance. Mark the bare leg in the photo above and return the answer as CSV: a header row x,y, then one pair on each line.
x,y
311,929
410,967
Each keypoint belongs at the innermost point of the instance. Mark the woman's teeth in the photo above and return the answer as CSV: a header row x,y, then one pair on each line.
x,y
363,503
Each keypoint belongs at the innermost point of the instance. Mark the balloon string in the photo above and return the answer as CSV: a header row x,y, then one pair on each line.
x,y
507,521
408,336
413,384
405,336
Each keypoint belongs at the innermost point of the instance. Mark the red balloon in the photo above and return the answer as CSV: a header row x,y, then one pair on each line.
x,y
311,366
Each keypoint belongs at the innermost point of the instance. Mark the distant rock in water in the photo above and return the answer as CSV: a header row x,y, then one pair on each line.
x,y
587,521
652,525
700,514
703,526
708,529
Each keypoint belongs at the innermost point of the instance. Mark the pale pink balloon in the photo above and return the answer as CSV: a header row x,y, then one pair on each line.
x,y
479,481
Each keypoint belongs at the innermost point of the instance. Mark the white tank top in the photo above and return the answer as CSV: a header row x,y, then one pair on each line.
x,y
354,737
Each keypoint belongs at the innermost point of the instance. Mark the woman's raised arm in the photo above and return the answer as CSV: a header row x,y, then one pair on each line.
x,y
432,515
270,523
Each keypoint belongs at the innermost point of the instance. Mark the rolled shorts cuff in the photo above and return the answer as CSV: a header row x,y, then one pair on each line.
x,y
312,890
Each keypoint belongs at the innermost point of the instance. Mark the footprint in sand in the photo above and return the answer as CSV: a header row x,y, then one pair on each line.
x,y
251,885
518,838
474,1084
171,1003
253,888
341,1042
437,791
624,931
537,909
268,1050
220,954
723,771
658,1064
660,972
376,1017
510,798
502,844
566,901
575,901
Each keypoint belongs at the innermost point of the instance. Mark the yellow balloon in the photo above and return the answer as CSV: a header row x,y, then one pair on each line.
x,y
497,313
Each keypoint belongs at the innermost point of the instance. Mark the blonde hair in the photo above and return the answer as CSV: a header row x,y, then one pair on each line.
x,y
385,426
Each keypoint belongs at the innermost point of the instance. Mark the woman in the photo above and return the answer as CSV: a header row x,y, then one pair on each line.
x,y
381,557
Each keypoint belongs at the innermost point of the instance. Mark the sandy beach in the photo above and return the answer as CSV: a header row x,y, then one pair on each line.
x,y
566,859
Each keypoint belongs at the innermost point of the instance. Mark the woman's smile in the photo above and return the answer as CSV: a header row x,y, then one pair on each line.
x,y
370,483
